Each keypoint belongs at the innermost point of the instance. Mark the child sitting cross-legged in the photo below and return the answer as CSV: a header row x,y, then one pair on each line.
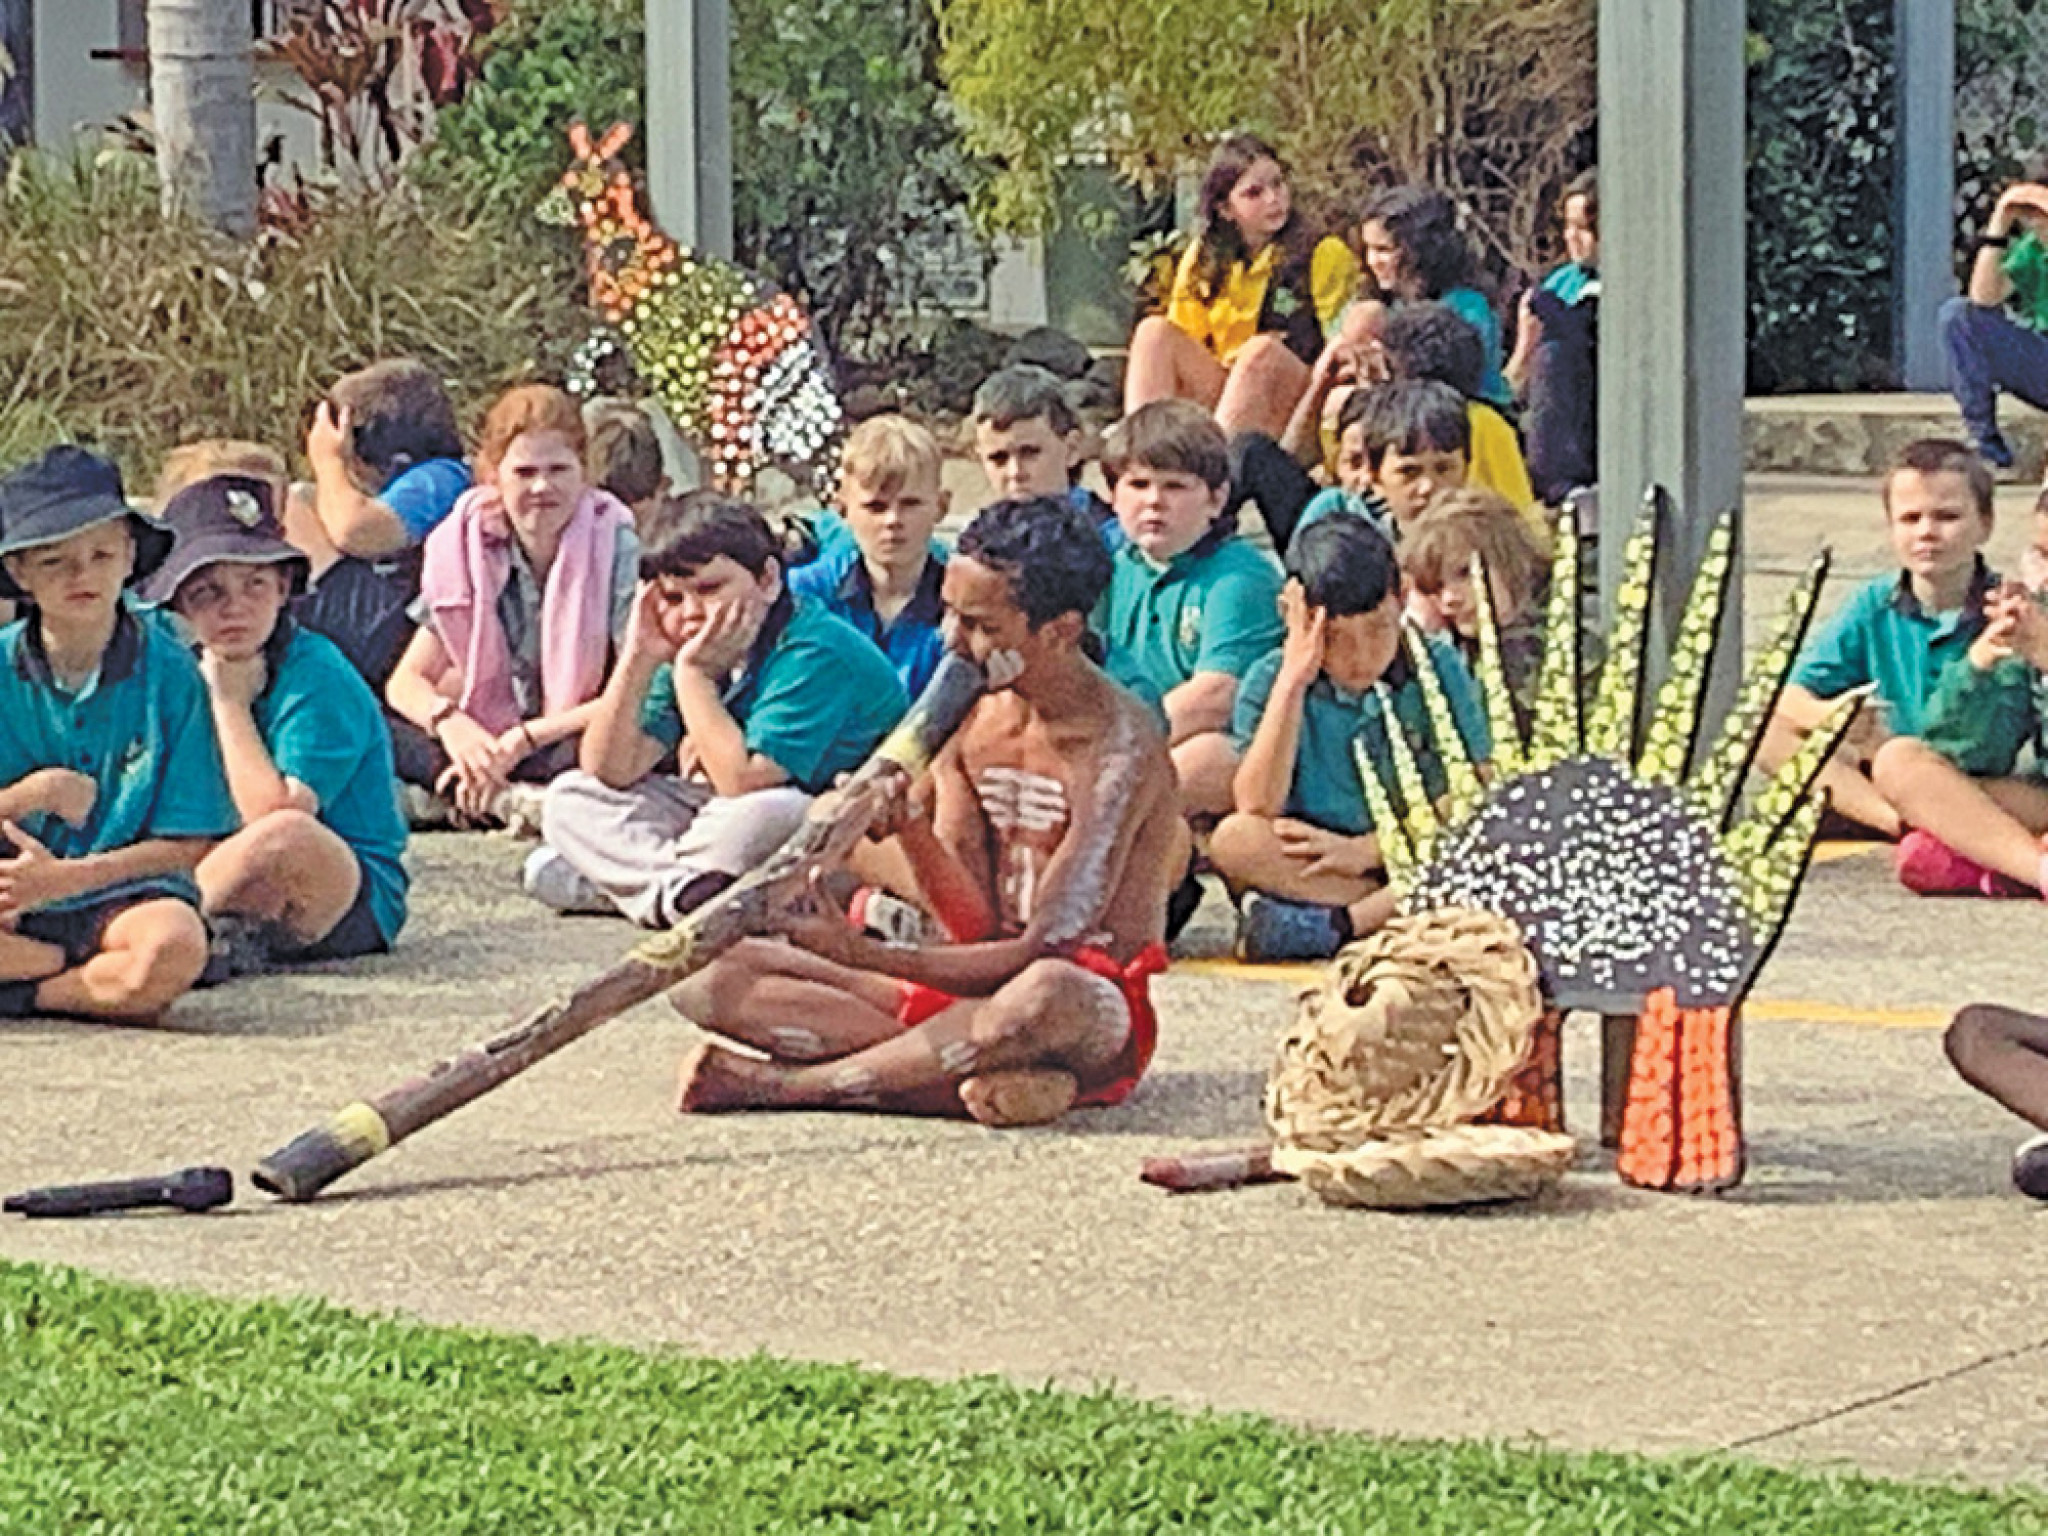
x,y
1900,632
1436,561
316,872
524,590
1189,602
886,585
1977,818
1398,444
111,789
763,697
1300,846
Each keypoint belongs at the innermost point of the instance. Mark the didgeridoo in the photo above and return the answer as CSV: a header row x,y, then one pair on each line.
x,y
303,1167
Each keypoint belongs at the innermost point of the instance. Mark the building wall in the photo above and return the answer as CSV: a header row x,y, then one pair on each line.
x,y
76,93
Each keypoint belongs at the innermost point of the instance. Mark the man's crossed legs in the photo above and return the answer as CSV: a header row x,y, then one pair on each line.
x,y
835,1038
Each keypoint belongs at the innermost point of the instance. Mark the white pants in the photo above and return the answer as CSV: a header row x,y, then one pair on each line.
x,y
644,846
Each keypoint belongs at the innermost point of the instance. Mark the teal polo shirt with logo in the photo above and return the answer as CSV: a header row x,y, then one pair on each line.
x,y
1205,610
814,701
140,728
1326,791
323,727
1882,635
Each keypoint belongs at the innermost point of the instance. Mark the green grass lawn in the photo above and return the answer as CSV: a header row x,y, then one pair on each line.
x,y
125,1409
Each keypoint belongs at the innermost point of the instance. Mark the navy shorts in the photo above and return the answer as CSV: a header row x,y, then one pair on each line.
x,y
355,934
78,931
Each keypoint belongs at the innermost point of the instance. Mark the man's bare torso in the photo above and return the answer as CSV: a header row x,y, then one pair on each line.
x,y
1032,787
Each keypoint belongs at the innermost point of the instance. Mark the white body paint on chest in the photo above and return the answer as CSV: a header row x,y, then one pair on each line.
x,y
1028,813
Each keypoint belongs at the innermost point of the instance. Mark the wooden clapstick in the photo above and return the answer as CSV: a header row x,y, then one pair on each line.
x,y
837,821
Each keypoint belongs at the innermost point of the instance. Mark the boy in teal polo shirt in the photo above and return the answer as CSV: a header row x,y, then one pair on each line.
x,y
765,699
113,788
1300,842
1190,604
1899,631
316,871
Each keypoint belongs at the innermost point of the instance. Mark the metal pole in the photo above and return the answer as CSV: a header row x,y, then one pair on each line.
x,y
689,120
1924,187
712,79
1672,304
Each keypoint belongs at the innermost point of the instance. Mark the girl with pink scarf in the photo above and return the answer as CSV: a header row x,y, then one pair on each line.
x,y
524,589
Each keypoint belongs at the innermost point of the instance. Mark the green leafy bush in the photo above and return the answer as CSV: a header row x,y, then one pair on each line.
x,y
120,328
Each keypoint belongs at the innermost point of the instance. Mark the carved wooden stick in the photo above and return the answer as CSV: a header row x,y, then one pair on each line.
x,y
837,821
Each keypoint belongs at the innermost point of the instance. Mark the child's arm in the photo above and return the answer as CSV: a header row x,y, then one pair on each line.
x,y
1801,709
357,524
720,741
616,749
61,792
418,691
1265,775
35,877
254,779
1201,704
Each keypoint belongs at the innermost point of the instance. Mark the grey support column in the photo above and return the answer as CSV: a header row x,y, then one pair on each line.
x,y
1672,308
689,120
1924,187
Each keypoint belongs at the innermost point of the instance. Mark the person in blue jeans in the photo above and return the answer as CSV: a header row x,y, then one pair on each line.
x,y
1996,335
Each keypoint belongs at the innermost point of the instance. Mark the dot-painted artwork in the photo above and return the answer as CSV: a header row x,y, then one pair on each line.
x,y
735,363
1631,871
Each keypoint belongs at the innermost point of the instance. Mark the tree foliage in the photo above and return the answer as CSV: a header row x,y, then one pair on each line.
x,y
1491,99
1821,127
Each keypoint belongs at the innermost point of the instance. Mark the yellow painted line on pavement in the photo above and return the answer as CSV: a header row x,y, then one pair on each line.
x,y
1830,850
1774,1010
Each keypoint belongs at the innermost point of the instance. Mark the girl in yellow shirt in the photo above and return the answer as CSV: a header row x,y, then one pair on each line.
x,y
1253,300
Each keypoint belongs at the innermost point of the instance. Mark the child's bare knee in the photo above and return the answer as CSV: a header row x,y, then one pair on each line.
x,y
1975,1033
721,989
162,966
1237,842
1899,759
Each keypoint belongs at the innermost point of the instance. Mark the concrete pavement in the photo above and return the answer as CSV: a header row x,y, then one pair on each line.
x,y
1873,1296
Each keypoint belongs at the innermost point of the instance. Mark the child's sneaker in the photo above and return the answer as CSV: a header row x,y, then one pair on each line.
x,y
1929,867
889,918
2030,1168
554,882
516,808
1273,929
236,946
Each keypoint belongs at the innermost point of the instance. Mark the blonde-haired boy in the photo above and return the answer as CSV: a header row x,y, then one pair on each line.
x,y
887,584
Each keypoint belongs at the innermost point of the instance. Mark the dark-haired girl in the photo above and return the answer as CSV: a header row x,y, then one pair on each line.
x,y
1253,301
1414,250
763,698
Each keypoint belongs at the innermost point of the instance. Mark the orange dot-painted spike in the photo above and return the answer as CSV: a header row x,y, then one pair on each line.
x,y
1649,1152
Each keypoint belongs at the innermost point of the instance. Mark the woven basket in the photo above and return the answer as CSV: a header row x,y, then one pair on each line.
x,y
1422,1024
1417,1169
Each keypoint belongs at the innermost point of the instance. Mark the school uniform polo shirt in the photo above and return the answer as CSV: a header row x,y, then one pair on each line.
x,y
840,583
814,700
1882,635
140,728
323,727
423,494
1326,791
1205,610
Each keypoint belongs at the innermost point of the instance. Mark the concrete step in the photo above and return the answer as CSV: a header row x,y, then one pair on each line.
x,y
1858,434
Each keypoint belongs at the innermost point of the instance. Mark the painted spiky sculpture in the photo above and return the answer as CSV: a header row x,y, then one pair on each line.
x,y
734,362
1641,887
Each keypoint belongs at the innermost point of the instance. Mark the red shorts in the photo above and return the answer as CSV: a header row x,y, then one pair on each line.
x,y
917,1003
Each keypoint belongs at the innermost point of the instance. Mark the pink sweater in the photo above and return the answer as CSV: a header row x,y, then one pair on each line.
x,y
466,563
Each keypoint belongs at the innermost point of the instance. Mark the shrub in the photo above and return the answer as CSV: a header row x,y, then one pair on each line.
x,y
120,328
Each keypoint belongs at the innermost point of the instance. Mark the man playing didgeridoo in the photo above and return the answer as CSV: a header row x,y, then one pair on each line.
x,y
1045,838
